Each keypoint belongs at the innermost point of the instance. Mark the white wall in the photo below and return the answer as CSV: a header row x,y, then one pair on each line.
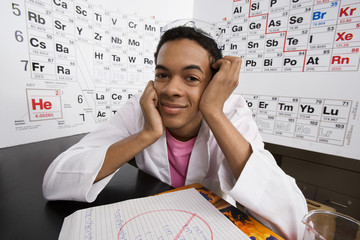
x,y
161,9
212,10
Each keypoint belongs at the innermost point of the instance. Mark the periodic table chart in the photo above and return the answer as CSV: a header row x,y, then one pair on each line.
x,y
315,42
76,64
70,64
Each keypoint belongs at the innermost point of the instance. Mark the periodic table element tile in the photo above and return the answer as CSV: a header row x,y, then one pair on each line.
x,y
44,104
306,129
118,75
284,126
255,44
238,46
274,42
318,60
135,59
42,68
301,4
345,59
258,7
253,62
238,28
118,58
101,37
118,21
118,97
240,10
102,74
300,18
132,90
267,105
277,22
118,40
101,18
252,102
64,8
148,75
310,108
296,40
84,12
64,26
41,43
294,61
321,37
151,27
101,55
39,18
226,47
349,12
65,48
102,97
148,61
347,35
150,43
84,33
103,113
273,62
336,111
65,70
279,6
135,24
325,14
332,133
135,42
135,77
287,106
257,25
265,123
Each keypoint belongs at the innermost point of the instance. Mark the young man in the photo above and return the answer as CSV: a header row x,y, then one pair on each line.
x,y
186,127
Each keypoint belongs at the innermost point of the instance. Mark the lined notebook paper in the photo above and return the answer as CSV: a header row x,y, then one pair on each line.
x,y
178,215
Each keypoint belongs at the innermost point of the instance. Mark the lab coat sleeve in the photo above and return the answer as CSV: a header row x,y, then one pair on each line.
x,y
71,175
268,193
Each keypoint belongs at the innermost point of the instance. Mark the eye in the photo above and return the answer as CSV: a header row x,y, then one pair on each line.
x,y
161,76
192,78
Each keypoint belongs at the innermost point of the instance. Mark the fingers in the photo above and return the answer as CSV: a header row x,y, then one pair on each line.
x,y
228,60
149,92
148,102
149,87
229,69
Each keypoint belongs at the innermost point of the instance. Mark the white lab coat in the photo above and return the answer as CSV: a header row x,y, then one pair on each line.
x,y
263,188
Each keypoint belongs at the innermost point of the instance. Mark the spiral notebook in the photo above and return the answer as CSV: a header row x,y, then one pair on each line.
x,y
183,214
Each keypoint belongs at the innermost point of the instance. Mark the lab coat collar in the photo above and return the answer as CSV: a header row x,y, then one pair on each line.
x,y
161,159
199,163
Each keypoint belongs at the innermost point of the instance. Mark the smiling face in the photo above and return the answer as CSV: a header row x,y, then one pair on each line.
x,y
181,75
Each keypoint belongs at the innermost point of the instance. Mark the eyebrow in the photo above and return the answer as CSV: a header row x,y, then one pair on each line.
x,y
193,66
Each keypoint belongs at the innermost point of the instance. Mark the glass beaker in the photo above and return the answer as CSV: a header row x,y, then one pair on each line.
x,y
326,225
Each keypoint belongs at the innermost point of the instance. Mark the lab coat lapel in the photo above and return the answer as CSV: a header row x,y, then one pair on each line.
x,y
159,156
199,163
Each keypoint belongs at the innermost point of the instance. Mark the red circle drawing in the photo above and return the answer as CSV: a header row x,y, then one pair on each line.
x,y
192,217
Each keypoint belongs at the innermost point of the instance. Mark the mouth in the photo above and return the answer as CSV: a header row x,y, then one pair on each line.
x,y
171,108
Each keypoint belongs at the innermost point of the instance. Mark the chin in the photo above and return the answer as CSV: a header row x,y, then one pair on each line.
x,y
172,123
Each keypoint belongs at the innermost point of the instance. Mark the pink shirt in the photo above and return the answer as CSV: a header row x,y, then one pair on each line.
x,y
179,156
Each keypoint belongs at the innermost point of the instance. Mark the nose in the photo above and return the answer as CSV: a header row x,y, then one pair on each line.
x,y
174,87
